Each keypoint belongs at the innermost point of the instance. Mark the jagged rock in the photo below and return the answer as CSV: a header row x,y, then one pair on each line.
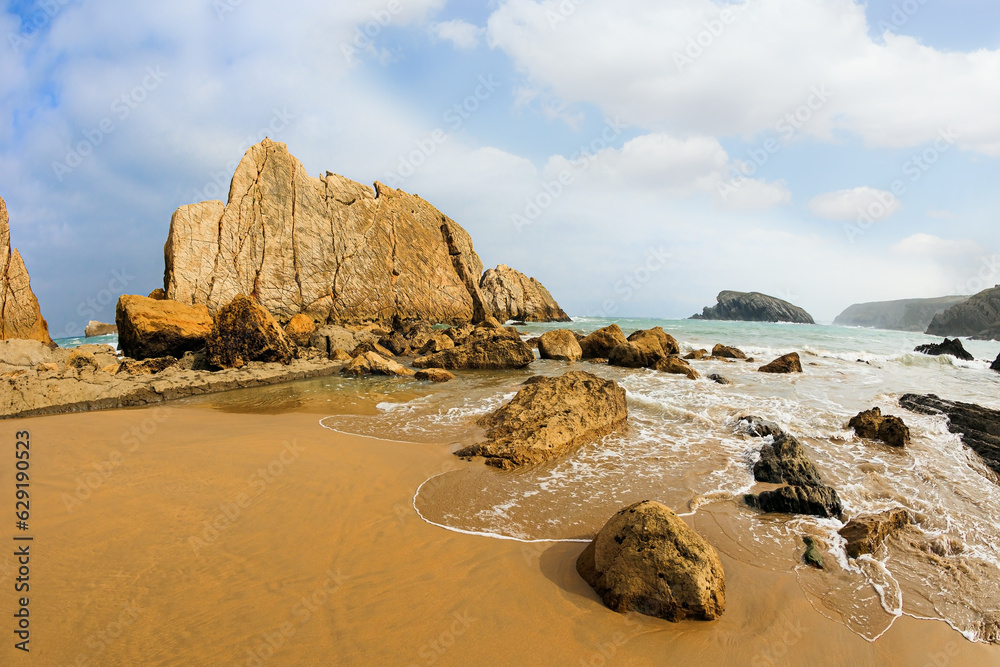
x,y
94,329
821,501
511,295
996,365
245,331
437,343
549,417
646,559
753,307
328,338
396,344
146,366
560,345
785,461
978,426
978,316
726,352
158,294
369,346
675,366
371,363
459,333
904,315
435,375
340,355
812,556
866,534
20,316
873,425
485,350
148,328
760,428
790,363
334,249
667,342
599,344
696,355
300,329
718,379
950,346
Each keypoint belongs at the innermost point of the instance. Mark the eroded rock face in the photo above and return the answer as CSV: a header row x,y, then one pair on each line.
x,y
148,328
978,426
560,345
484,349
790,363
549,417
599,344
647,560
753,307
866,534
511,295
950,346
978,316
20,316
873,425
243,332
328,247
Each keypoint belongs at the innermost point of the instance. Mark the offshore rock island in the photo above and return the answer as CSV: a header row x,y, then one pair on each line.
x,y
753,307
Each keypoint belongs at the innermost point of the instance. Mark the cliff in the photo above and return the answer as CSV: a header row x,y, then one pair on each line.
x,y
979,316
20,316
753,307
901,315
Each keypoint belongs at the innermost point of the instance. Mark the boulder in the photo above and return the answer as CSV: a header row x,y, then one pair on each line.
x,y
435,375
979,427
821,501
696,355
245,331
148,328
459,333
667,342
338,251
549,417
866,534
439,342
760,428
340,355
300,330
599,344
20,316
675,366
511,295
146,366
790,363
718,379
785,461
95,328
560,345
950,346
873,425
726,352
812,556
646,559
328,338
644,353
369,346
371,363
395,343
753,307
485,351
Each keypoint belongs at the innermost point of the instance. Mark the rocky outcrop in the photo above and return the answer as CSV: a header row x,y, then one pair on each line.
x,y
599,344
978,316
330,338
786,462
328,247
978,426
873,425
243,332
950,346
148,328
754,307
647,560
996,365
790,363
866,534
511,295
903,315
95,328
560,345
821,501
667,342
484,349
726,352
19,354
371,363
20,316
437,375
549,417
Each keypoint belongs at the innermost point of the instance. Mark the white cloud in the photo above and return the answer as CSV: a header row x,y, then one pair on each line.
x,y
928,245
460,33
850,205
659,65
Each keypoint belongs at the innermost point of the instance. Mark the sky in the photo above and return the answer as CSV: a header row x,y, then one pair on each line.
x,y
636,156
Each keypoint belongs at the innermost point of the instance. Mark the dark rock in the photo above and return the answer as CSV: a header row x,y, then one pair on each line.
x,y
790,363
146,366
635,355
369,346
727,352
866,534
978,426
950,346
754,307
785,462
760,428
819,501
245,331
978,316
647,560
718,379
873,425
812,556
396,344
996,365
484,350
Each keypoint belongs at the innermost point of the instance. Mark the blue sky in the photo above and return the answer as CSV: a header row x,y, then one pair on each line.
x,y
682,109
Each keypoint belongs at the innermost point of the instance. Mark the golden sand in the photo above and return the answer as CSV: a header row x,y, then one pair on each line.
x,y
316,557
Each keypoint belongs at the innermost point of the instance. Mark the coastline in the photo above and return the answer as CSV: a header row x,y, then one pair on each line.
x,y
329,561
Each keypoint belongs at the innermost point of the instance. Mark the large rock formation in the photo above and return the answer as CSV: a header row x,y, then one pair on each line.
x,y
20,316
548,417
978,316
599,344
561,345
511,295
753,307
978,426
243,332
646,559
902,315
148,328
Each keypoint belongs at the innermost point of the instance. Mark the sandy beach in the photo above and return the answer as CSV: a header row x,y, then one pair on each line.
x,y
222,538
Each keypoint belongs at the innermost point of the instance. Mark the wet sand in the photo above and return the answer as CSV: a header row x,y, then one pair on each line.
x,y
317,557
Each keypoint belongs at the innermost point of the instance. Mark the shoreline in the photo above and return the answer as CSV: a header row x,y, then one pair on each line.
x,y
330,562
